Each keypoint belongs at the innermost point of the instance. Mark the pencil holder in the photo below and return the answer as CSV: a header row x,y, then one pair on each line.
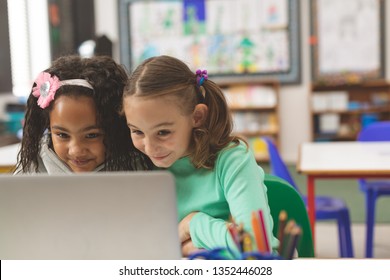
x,y
260,256
227,254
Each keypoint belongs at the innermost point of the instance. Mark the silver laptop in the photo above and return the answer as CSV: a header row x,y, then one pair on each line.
x,y
130,215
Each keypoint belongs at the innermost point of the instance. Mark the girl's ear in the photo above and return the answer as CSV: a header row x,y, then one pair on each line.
x,y
199,115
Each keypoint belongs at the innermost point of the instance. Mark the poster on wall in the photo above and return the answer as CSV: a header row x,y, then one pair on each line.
x,y
231,38
347,41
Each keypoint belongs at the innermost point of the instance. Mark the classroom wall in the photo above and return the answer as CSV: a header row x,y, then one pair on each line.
x,y
107,22
294,103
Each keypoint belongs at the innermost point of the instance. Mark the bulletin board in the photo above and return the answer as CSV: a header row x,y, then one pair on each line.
x,y
232,39
347,41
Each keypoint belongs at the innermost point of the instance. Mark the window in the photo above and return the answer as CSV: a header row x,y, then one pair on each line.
x,y
29,42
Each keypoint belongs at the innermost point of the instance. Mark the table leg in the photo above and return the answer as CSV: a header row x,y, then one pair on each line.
x,y
311,204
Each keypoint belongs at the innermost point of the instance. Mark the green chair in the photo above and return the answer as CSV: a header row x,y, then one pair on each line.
x,y
282,196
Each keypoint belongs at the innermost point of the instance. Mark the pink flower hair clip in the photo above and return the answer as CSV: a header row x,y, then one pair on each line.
x,y
45,89
47,86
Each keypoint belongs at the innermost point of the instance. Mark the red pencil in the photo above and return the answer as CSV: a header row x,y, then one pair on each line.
x,y
234,233
264,231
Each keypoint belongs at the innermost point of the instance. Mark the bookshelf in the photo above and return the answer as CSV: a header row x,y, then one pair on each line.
x,y
339,112
255,111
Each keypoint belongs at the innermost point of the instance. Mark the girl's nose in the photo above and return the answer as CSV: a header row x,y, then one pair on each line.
x,y
77,148
151,146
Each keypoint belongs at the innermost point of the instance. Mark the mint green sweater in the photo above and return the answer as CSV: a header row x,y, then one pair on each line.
x,y
235,187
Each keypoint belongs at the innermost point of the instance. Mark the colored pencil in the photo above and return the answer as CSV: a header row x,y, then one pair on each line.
x,y
264,232
293,241
234,233
246,242
286,238
257,232
281,226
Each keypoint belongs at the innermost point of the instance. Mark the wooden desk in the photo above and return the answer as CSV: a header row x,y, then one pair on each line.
x,y
326,160
8,157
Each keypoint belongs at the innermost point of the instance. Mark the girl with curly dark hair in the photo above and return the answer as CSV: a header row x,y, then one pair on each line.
x,y
72,121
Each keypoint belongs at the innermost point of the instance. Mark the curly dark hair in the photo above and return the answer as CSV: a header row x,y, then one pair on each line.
x,y
108,80
163,76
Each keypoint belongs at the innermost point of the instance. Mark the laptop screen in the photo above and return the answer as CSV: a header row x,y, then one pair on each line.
x,y
126,215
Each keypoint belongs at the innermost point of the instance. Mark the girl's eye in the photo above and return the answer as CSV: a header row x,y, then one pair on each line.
x,y
163,132
93,135
137,132
62,135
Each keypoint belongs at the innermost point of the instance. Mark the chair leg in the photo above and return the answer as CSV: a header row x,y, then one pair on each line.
x,y
370,222
345,236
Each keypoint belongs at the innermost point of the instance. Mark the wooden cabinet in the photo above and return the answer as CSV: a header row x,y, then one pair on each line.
x,y
255,111
339,112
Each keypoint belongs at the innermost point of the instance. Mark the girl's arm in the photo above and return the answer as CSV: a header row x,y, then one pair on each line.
x,y
242,182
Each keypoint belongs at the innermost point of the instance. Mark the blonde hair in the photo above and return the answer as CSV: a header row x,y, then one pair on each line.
x,y
168,77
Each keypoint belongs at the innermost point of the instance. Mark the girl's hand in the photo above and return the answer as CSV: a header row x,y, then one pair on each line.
x,y
184,228
187,248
